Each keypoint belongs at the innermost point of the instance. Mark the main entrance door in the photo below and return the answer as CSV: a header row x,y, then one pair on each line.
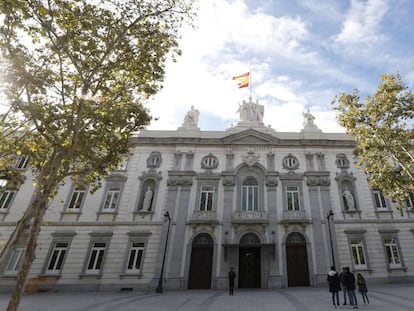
x,y
201,262
297,260
249,261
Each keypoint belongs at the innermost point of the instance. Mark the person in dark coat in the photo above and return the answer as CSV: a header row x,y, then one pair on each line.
x,y
232,277
350,287
334,286
362,287
342,279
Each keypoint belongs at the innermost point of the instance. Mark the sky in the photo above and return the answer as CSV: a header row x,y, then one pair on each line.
x,y
300,53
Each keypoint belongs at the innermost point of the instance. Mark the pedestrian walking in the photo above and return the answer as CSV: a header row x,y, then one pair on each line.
x,y
334,286
362,288
232,277
350,287
342,280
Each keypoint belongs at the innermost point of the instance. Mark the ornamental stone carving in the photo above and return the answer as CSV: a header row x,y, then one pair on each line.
x,y
250,158
342,161
209,162
229,180
154,160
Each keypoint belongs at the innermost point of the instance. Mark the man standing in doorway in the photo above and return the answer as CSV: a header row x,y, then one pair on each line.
x,y
232,277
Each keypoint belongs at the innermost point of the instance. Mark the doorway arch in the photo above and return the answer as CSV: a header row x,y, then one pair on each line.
x,y
249,261
201,262
297,260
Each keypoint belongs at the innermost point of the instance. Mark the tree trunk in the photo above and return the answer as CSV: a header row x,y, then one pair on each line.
x,y
39,206
15,236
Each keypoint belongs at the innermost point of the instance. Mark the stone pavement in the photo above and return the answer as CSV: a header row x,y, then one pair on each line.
x,y
382,297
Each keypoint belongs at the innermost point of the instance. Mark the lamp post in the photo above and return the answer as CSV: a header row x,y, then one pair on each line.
x,y
159,288
328,216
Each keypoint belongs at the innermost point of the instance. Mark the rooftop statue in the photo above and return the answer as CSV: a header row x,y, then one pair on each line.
x,y
190,120
308,123
192,116
251,112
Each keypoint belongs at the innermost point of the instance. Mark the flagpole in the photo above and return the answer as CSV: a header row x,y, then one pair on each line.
x,y
250,80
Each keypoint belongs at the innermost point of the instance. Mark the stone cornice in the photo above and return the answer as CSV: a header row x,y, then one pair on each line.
x,y
170,141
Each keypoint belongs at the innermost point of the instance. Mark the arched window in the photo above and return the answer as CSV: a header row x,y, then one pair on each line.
x,y
250,195
203,239
295,238
250,239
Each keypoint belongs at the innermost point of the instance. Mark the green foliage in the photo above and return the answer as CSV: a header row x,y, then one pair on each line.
x,y
77,74
383,129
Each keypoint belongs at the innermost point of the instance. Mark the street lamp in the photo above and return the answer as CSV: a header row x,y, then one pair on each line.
x,y
329,216
159,287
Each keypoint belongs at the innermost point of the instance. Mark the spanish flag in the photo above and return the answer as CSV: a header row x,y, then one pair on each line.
x,y
242,80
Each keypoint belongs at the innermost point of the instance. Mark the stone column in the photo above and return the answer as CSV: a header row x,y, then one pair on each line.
x,y
314,183
226,237
272,253
172,192
177,234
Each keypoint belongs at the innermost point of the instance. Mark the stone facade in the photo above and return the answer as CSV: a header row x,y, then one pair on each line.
x,y
247,197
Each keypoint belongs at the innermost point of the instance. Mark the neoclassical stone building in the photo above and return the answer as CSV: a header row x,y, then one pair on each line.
x,y
278,207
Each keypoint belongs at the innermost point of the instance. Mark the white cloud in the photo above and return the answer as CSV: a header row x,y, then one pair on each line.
x,y
222,45
362,22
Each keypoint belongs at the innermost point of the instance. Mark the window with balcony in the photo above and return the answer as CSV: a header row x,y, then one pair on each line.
x,y
250,195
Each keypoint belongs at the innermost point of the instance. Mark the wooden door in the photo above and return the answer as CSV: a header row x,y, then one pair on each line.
x,y
249,267
297,262
201,263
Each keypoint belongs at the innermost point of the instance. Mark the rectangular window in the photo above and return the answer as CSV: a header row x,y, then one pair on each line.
x,y
409,202
250,198
380,202
76,200
112,197
123,165
292,195
206,200
135,257
5,199
57,257
357,249
392,252
96,257
15,261
22,162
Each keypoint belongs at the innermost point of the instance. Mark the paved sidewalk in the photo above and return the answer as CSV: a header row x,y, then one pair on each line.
x,y
383,298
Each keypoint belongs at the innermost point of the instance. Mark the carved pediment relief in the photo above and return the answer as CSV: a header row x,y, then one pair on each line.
x,y
250,137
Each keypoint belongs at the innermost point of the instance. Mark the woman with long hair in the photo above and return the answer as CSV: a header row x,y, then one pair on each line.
x,y
362,287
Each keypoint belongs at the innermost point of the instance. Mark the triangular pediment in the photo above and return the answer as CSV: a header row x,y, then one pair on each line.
x,y
250,136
